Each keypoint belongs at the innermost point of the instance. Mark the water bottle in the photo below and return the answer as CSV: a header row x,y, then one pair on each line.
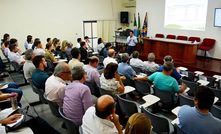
x,y
14,102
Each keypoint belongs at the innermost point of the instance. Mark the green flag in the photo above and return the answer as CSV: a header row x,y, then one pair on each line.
x,y
138,30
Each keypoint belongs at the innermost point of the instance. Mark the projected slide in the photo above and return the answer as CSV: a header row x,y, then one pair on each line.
x,y
185,14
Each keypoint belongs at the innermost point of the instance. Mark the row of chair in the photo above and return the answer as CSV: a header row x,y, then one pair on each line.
x,y
179,37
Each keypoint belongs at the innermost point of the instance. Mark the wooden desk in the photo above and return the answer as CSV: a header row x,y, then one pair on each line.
x,y
184,51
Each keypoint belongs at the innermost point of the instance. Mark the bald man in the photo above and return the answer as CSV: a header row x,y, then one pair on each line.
x,y
110,58
102,119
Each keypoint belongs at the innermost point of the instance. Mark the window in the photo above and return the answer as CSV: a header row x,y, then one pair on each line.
x,y
90,30
185,14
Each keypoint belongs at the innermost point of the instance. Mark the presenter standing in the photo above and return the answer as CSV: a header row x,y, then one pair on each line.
x,y
131,42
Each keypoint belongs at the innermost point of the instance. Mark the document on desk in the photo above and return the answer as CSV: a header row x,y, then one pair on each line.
x,y
5,113
20,119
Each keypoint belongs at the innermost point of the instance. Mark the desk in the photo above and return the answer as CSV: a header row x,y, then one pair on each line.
x,y
183,51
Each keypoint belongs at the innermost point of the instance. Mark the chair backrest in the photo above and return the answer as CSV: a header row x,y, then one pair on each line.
x,y
142,87
171,36
219,84
127,107
189,84
33,87
216,111
50,65
93,88
166,97
128,82
209,42
217,92
72,127
41,95
182,37
53,106
159,35
160,124
137,69
15,65
101,59
63,55
197,39
186,100
178,130
191,75
103,92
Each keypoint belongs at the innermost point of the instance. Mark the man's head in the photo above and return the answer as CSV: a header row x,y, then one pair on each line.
x,y
125,57
83,45
29,40
99,41
131,33
168,67
75,52
107,46
49,40
135,54
14,41
105,106
111,53
204,97
63,71
79,40
7,43
151,57
39,62
78,73
30,54
86,38
94,61
168,58
38,44
49,46
13,48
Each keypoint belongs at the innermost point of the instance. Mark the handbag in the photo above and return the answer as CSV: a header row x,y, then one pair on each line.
x,y
29,114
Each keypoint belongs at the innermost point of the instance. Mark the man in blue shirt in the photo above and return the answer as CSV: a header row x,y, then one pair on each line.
x,y
39,76
107,47
131,42
175,73
198,119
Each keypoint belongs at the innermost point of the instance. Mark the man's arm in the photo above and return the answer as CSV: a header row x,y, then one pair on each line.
x,y
115,119
135,39
11,119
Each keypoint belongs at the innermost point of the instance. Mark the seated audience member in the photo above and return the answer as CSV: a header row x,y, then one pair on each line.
x,y
49,40
135,61
30,42
100,44
6,37
198,119
105,50
176,72
150,65
93,75
88,43
6,50
79,40
54,46
55,85
76,56
110,58
84,55
126,70
29,66
164,81
101,118
38,48
57,44
68,51
39,76
29,38
111,80
138,123
34,44
77,98
63,49
15,41
48,54
14,55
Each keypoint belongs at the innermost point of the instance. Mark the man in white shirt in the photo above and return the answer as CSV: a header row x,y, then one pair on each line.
x,y
30,43
55,85
150,65
29,66
88,43
135,61
79,43
131,42
14,56
38,48
110,58
102,119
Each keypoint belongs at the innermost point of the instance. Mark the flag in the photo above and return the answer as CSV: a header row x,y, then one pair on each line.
x,y
144,28
138,30
135,26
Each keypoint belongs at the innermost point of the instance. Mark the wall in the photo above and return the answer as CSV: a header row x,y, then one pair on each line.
x,y
53,18
155,10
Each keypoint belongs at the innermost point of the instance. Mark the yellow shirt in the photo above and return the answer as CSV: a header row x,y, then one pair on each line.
x,y
49,55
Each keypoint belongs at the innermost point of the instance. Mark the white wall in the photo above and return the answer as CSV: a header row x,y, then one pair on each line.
x,y
155,10
53,18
